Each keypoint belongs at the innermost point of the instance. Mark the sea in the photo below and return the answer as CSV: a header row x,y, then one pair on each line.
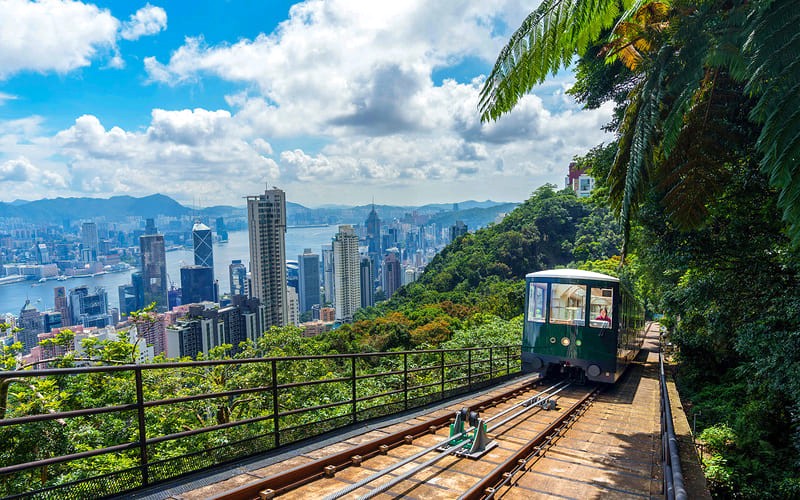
x,y
13,295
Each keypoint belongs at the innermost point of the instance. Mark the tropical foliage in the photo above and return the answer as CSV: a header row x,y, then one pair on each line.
x,y
703,179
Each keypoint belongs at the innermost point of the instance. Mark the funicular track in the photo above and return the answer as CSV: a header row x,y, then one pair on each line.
x,y
429,460
608,449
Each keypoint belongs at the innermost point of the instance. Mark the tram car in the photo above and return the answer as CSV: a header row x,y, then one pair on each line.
x,y
582,324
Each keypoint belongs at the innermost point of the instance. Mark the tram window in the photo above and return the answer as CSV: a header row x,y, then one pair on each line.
x,y
567,304
536,294
600,298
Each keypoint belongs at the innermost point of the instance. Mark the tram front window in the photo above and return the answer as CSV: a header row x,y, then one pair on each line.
x,y
536,294
601,303
567,304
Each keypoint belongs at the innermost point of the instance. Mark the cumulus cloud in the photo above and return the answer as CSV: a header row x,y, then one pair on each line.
x,y
64,35
52,35
148,20
22,171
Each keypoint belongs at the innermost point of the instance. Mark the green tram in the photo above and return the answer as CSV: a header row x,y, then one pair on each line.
x,y
581,324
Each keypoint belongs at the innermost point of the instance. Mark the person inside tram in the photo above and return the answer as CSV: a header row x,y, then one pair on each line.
x,y
603,316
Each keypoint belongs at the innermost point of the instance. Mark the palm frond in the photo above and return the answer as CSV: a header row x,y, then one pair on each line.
x,y
773,48
544,43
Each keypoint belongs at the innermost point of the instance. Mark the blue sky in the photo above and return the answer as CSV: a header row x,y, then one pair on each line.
x,y
333,101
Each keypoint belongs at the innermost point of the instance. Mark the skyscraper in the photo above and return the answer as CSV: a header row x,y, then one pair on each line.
x,y
89,309
60,304
89,242
457,229
327,273
30,323
266,224
309,279
197,284
391,274
347,282
203,249
154,269
238,275
367,282
373,226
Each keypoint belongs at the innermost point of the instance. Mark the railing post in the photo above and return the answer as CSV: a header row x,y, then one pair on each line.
x,y
469,368
275,408
491,362
508,360
405,379
142,426
442,352
353,386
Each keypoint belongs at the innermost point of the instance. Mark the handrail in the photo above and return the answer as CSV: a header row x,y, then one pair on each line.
x,y
276,411
674,488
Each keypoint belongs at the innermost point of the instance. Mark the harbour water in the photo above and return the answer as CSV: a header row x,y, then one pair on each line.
x,y
13,296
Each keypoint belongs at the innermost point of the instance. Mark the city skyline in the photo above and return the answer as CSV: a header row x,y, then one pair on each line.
x,y
330,100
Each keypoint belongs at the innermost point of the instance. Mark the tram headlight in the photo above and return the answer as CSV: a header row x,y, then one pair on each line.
x,y
565,341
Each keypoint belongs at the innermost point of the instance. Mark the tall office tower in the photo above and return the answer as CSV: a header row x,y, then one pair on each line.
x,y
50,320
154,270
197,284
347,273
89,309
238,275
266,223
292,307
30,322
373,226
392,274
42,254
127,299
309,280
327,274
222,230
293,274
150,227
203,249
60,304
367,282
89,242
457,229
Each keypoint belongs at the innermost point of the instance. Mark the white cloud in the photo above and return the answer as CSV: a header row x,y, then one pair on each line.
x,y
52,35
64,35
6,97
20,171
148,20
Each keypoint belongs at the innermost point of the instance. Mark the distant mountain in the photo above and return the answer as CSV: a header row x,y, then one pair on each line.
x,y
474,213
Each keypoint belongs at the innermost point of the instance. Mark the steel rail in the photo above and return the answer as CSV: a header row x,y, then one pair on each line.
x,y
487,486
425,451
303,474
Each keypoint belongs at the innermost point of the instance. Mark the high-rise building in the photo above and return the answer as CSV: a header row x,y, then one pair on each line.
x,y
197,284
60,304
154,269
373,226
328,280
266,224
367,282
127,299
203,248
293,274
150,227
42,254
391,275
30,322
89,242
238,276
309,280
292,307
347,273
89,308
204,328
457,229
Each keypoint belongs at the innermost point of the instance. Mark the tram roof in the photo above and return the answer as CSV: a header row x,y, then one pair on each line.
x,y
572,274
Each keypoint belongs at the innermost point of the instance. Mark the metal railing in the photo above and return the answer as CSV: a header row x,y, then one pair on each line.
x,y
158,421
670,459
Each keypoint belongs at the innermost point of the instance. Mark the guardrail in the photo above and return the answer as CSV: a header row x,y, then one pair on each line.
x,y
670,459
96,431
